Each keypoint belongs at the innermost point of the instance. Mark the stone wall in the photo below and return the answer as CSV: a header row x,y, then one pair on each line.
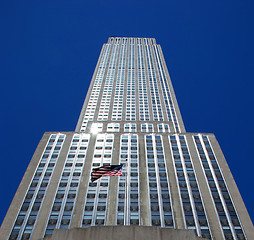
x,y
123,233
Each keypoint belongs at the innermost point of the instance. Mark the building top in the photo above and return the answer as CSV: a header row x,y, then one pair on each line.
x,y
131,84
138,39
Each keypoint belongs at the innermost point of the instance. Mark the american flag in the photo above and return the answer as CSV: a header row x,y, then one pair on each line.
x,y
106,170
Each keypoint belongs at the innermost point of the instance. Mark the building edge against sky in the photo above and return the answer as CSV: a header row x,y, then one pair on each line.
x,y
172,179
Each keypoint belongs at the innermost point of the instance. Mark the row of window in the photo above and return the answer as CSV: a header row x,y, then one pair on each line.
x,y
128,193
130,113
62,210
140,76
161,213
96,200
226,213
154,90
191,200
128,203
107,90
92,103
165,90
117,40
130,127
119,88
143,96
27,216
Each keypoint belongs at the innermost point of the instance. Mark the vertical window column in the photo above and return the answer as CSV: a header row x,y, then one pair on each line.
x,y
107,91
156,103
225,209
160,197
143,101
92,103
65,199
182,185
96,201
26,219
166,92
197,206
119,90
187,201
131,85
128,203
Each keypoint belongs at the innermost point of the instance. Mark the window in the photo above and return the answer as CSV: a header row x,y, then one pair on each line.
x,y
62,210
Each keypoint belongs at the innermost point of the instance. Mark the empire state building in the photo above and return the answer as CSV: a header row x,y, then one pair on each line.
x,y
174,184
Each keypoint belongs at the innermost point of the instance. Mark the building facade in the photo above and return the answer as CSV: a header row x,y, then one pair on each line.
x,y
171,179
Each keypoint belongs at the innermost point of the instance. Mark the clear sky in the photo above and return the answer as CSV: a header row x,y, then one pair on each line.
x,y
49,49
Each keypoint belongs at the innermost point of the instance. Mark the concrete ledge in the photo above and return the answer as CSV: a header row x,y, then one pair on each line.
x,y
123,233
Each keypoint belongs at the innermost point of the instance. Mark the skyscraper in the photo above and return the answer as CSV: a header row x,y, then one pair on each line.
x,y
171,179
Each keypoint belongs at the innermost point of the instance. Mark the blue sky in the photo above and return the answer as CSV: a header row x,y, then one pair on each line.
x,y
49,49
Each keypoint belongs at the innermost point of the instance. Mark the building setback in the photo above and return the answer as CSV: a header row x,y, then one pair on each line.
x,y
171,179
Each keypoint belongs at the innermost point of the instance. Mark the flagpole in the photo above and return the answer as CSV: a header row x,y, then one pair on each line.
x,y
126,189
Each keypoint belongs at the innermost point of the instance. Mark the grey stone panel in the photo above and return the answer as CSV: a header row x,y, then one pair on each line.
x,y
123,233
143,184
